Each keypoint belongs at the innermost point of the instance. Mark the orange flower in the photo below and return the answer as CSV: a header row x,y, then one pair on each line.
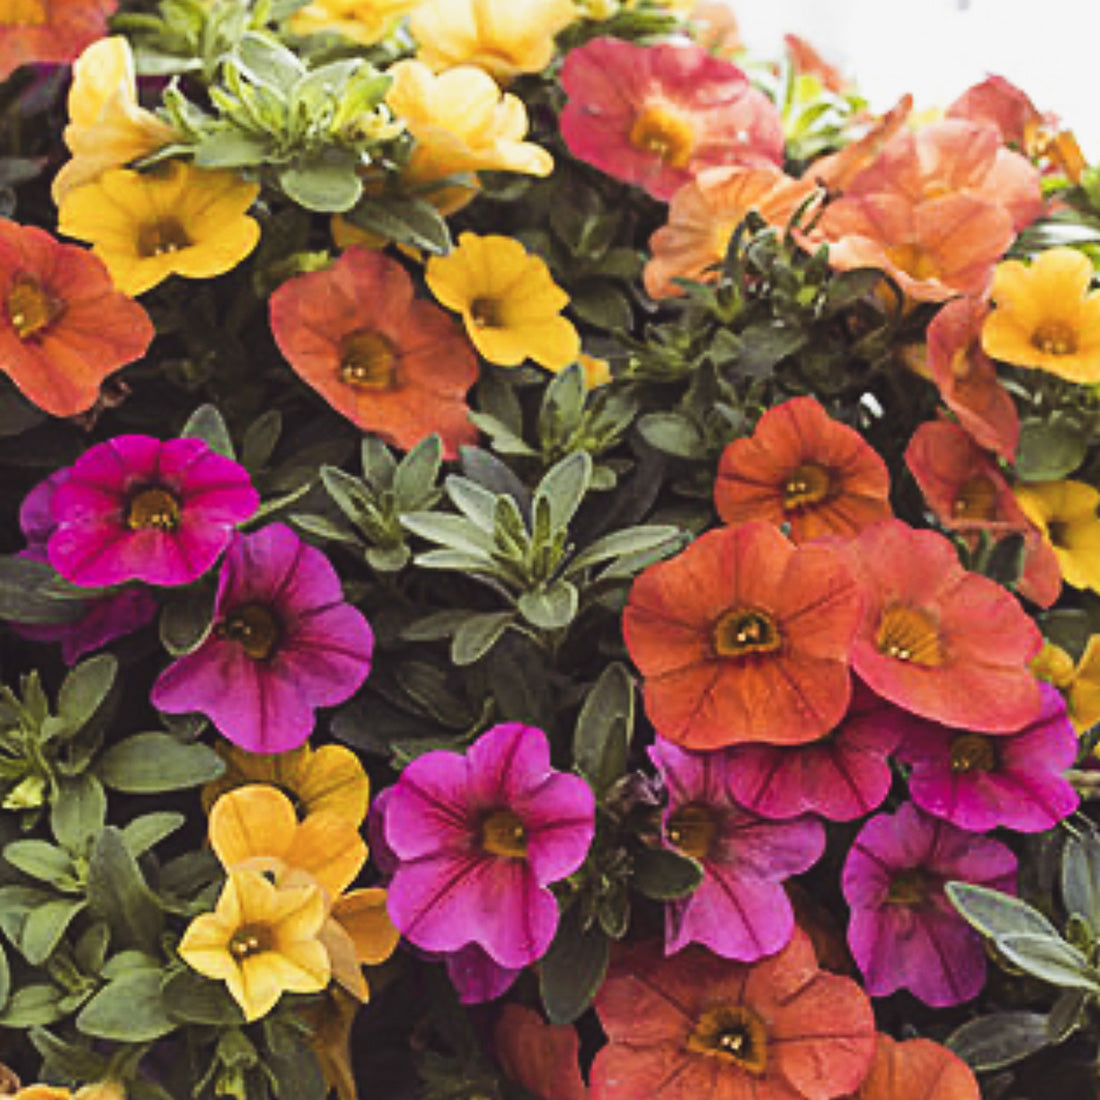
x,y
389,362
715,28
63,326
837,170
744,637
917,1069
49,30
541,1057
807,61
803,468
703,215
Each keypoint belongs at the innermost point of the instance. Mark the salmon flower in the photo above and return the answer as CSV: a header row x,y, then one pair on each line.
x,y
363,21
657,115
802,468
703,215
917,1069
391,363
541,1057
836,170
173,220
49,30
1045,316
743,637
64,328
1065,514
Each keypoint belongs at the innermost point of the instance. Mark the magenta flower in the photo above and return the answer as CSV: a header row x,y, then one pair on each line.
x,y
740,909
479,838
136,508
656,115
476,977
98,619
979,781
841,776
283,643
904,933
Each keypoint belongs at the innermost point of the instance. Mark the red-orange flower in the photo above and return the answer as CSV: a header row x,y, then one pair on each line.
x,y
805,469
744,637
63,326
391,363
917,1069
49,30
807,61
692,1026
539,1056
837,170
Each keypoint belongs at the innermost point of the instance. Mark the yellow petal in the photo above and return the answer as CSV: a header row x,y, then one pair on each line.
x,y
328,848
251,821
362,914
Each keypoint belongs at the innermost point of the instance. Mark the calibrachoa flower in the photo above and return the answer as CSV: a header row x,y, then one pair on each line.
x,y
979,782
657,115
1079,684
363,21
836,170
64,328
1065,514
173,220
541,1057
694,1026
802,468
261,940
840,776
938,640
283,643
137,508
1046,318
479,838
509,302
904,933
917,1069
390,362
743,637
740,909
49,30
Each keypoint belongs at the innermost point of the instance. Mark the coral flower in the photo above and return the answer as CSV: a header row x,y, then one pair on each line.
x,y
174,220
539,1056
934,250
389,362
283,643
503,37
479,838
509,302
694,1026
261,940
657,115
363,21
64,328
107,128
1065,514
937,640
802,468
137,508
740,909
744,637
978,782
703,215
1045,316
917,1069
904,933
836,170
49,30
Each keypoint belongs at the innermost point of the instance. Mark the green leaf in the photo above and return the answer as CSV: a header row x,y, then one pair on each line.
x,y
142,833
763,346
267,61
149,763
118,892
603,304
1068,1013
45,925
672,433
85,689
129,1009
573,970
414,480
78,813
43,861
564,486
91,948
379,465
478,634
5,977
187,617
1050,448
665,875
605,725
1051,959
328,186
24,593
403,220
31,1006
207,424
1000,1039
629,540
190,998
848,287
260,440
478,505
229,147
1081,877
453,532
995,914
552,607
67,1061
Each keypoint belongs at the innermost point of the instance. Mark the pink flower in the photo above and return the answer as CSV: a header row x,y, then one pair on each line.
x,y
656,115
904,933
283,643
135,508
740,909
479,839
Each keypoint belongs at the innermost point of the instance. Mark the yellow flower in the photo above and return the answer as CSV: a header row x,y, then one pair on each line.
x,y
1065,513
330,1022
107,128
261,940
1045,317
329,779
177,220
1079,684
509,302
102,1090
363,21
597,372
503,37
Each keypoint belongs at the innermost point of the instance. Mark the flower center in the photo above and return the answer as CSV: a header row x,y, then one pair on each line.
x,y
663,134
976,499
907,634
1057,532
22,13
909,887
487,313
30,309
732,1033
971,752
255,628
368,360
1055,338
160,237
914,261
153,509
692,829
808,485
251,939
746,631
503,834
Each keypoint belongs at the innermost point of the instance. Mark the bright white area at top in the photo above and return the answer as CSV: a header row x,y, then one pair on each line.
x,y
937,48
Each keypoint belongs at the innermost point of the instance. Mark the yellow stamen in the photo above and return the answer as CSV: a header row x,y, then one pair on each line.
x,y
908,634
30,309
809,484
971,752
368,360
745,631
1055,338
161,237
665,134
249,941
255,628
503,834
908,887
976,499
734,1034
692,829
153,509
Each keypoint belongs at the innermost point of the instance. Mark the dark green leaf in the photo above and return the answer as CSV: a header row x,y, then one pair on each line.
x,y
43,861
187,618
604,727
129,1009
24,593
1081,877
142,833
573,969
149,763
603,304
78,813
763,346
1050,448
207,424
328,186
848,287
189,998
672,433
478,634
998,1040
84,690
260,440
564,486
118,892
32,1005
1068,1013
67,1061
414,480
403,221
45,925
665,875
